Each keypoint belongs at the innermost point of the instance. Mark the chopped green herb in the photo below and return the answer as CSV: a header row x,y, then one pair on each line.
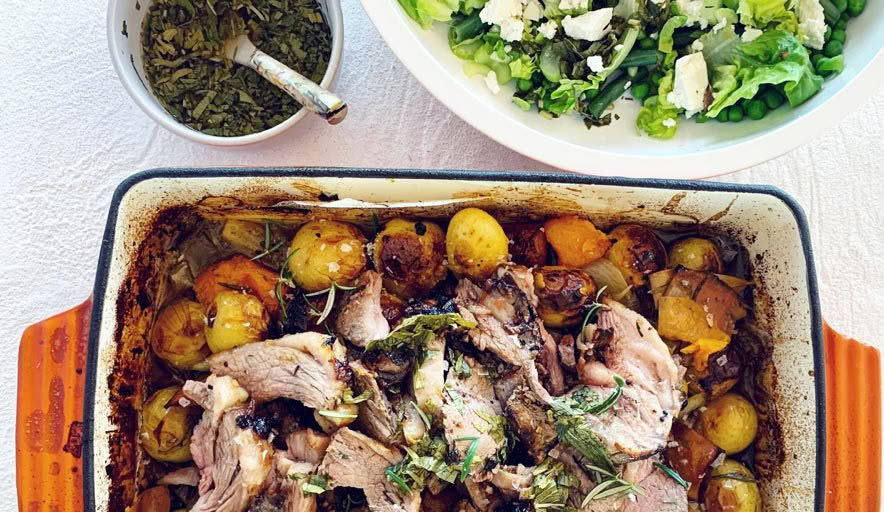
x,y
423,416
362,397
336,414
393,477
468,461
416,331
673,474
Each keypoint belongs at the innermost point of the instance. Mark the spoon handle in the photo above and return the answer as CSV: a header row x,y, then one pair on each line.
x,y
313,97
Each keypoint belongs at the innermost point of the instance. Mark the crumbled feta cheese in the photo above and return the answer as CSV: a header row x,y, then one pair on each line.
x,y
628,84
669,122
508,48
548,29
750,34
618,47
491,82
694,10
811,23
569,5
697,46
595,63
590,26
507,14
691,82
532,10
720,25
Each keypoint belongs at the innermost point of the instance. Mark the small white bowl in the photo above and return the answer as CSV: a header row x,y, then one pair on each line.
x,y
124,30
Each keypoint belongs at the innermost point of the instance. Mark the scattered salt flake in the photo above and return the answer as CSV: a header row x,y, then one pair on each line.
x,y
345,247
722,360
654,35
333,267
184,402
595,63
718,460
672,444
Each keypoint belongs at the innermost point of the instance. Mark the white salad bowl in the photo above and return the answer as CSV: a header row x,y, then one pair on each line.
x,y
124,30
697,151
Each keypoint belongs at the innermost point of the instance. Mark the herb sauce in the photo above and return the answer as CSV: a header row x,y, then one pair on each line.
x,y
183,43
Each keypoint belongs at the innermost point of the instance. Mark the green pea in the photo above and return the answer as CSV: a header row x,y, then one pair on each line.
x,y
840,4
855,7
656,76
525,85
841,24
734,113
647,44
702,118
816,57
756,109
833,49
722,116
641,90
839,35
772,98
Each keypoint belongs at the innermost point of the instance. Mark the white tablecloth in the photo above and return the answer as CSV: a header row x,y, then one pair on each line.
x,y
70,134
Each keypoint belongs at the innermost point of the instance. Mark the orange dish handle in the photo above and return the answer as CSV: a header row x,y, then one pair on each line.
x,y
49,413
853,425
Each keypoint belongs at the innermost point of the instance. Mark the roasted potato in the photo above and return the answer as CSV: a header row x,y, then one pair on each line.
x,y
691,456
238,272
563,294
410,256
325,252
576,241
179,336
732,488
166,427
475,244
729,421
681,318
155,499
234,319
527,244
637,251
696,254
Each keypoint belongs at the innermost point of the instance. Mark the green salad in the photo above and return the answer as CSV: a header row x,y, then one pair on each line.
x,y
725,59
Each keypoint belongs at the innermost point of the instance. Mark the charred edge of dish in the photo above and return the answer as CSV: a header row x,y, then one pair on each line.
x,y
131,364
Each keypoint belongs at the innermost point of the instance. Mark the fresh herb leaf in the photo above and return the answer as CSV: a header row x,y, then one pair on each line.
x,y
673,474
362,397
336,414
395,478
468,461
416,331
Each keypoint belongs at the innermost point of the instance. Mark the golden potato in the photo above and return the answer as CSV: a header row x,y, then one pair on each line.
x,y
475,244
576,241
410,256
166,428
563,294
527,244
238,272
155,499
179,336
696,254
732,488
235,318
729,421
637,251
325,252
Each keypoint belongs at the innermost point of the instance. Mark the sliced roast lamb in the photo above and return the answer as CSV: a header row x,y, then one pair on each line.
x,y
306,367
361,318
471,411
659,492
376,415
429,377
504,307
528,414
356,460
623,343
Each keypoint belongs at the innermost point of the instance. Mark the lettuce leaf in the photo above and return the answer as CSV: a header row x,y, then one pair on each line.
x,y
704,12
564,98
425,12
658,117
665,43
759,13
775,58
523,67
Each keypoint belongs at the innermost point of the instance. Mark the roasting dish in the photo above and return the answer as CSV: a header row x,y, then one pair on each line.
x,y
149,210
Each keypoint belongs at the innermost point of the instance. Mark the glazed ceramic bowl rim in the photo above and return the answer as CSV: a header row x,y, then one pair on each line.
x,y
403,37
106,261
145,99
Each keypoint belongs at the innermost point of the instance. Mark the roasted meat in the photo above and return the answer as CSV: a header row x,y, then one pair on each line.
x,y
361,318
376,415
305,367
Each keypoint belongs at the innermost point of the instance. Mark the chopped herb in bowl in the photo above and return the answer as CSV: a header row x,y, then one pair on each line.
x,y
189,76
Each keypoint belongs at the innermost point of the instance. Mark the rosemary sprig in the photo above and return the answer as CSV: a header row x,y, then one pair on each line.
x,y
611,485
468,460
285,279
593,309
423,416
735,476
396,479
612,398
330,299
673,474
268,251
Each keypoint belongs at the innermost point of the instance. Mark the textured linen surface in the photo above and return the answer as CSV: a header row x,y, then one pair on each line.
x,y
70,134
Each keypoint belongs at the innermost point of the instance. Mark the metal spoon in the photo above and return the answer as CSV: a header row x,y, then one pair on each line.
x,y
329,106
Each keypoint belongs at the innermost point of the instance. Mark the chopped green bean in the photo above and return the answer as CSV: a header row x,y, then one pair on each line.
x,y
833,49
611,92
641,58
641,90
656,76
467,28
756,109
